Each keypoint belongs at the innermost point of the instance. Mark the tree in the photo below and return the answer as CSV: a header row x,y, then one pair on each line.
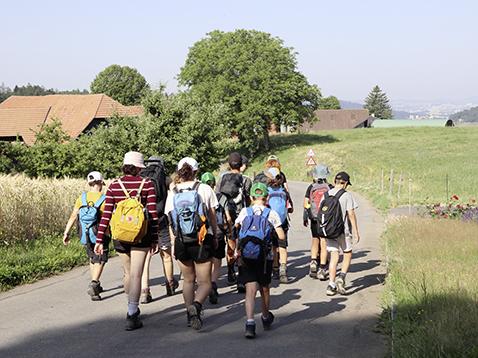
x,y
330,102
254,77
377,104
122,83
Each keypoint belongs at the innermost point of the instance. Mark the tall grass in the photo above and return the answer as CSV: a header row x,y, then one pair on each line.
x,y
33,208
431,289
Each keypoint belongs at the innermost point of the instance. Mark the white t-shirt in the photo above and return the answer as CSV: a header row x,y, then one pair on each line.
x,y
347,202
207,195
274,218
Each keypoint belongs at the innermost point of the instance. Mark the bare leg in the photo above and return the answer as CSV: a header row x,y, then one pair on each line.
x,y
266,299
216,268
334,260
96,270
189,275
138,257
275,251
314,250
167,264
283,255
145,276
251,290
323,251
125,260
203,277
346,261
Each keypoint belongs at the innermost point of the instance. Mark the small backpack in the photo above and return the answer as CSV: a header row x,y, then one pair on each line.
x,y
255,235
221,211
129,223
189,215
316,193
232,187
331,221
88,219
277,201
156,173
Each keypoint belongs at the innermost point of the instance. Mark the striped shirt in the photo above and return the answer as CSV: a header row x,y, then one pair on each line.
x,y
115,194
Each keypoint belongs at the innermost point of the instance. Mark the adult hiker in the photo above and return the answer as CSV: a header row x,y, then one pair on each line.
x,y
254,250
279,201
312,199
133,238
87,212
191,209
338,224
155,171
235,187
224,226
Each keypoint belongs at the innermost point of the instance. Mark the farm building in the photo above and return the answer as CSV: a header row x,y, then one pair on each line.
x,y
329,119
20,116
396,123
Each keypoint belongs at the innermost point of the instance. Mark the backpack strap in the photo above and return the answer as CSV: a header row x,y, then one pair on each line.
x,y
138,194
340,193
196,186
126,193
100,201
265,213
84,201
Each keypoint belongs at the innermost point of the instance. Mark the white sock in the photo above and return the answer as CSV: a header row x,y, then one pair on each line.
x,y
332,283
132,308
250,321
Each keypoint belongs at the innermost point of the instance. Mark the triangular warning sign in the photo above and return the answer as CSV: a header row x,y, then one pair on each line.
x,y
310,153
310,161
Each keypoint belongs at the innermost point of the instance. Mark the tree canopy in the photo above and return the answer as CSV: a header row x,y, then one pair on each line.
x,y
468,115
330,102
122,83
256,80
378,104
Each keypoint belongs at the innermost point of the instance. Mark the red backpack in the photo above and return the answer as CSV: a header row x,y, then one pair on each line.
x,y
316,193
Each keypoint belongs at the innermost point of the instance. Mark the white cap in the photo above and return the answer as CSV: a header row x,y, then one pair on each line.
x,y
94,176
273,172
134,158
188,160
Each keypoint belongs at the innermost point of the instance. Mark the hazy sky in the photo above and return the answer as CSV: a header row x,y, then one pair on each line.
x,y
412,49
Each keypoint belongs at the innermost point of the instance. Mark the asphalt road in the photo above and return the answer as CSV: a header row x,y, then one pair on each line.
x,y
55,317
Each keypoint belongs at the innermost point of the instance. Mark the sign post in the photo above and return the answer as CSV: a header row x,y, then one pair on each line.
x,y
310,158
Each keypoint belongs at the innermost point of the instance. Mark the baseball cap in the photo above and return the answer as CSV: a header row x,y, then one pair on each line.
x,y
343,176
321,171
272,157
134,158
188,160
258,190
94,176
273,172
207,178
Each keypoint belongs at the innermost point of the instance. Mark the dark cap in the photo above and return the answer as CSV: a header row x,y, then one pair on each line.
x,y
343,176
235,160
244,159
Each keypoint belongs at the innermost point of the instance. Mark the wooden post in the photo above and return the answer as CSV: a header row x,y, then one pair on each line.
x,y
399,185
381,184
390,191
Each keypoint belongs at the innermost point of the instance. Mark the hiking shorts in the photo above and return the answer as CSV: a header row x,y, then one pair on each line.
x,y
93,257
125,248
253,271
281,243
314,228
220,252
164,238
194,251
343,242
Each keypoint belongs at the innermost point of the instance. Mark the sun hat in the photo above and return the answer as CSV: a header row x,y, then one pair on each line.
x,y
134,158
94,176
188,160
273,172
259,190
208,178
321,171
343,176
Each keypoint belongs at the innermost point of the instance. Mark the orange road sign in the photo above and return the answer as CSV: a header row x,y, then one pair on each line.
x,y
310,161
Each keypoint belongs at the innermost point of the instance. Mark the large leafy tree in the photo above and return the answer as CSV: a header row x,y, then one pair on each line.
x,y
254,77
330,102
122,83
378,104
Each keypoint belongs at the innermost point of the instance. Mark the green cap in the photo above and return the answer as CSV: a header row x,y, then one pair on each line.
x,y
208,178
259,189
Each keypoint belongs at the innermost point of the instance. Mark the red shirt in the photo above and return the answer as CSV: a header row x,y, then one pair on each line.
x,y
115,194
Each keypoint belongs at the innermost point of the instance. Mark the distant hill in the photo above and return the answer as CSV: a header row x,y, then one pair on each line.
x,y
354,105
468,115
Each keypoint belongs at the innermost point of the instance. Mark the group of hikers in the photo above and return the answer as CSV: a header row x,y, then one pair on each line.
x,y
201,221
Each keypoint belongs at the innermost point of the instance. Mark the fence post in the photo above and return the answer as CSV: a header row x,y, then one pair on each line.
x,y
399,185
381,184
390,191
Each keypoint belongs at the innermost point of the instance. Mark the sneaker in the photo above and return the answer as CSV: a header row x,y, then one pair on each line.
x,y
331,291
133,322
313,269
213,294
267,322
100,289
250,330
241,288
94,291
231,276
322,275
171,287
275,273
188,318
283,274
340,282
194,312
146,296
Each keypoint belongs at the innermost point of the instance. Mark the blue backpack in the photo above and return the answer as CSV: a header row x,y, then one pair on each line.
x,y
88,219
188,215
255,235
278,202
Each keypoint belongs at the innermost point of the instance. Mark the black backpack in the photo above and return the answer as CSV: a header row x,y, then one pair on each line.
x,y
231,185
261,178
331,221
156,173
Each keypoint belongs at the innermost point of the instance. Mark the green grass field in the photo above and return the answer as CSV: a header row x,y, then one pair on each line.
x,y
433,288
426,156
